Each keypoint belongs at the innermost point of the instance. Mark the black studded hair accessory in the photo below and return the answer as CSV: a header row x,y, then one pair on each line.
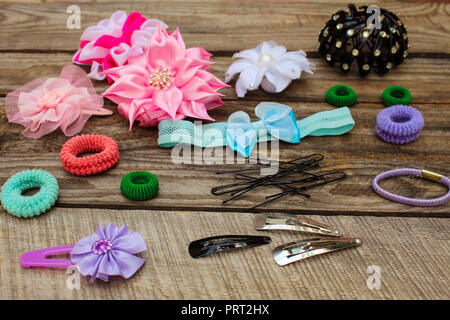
x,y
375,43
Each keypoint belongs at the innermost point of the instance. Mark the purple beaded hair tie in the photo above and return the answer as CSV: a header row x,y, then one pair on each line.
x,y
417,173
399,124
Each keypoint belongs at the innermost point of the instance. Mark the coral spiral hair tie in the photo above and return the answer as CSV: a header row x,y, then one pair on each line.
x,y
106,157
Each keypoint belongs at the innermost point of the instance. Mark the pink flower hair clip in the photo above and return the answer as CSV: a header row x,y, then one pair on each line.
x,y
46,104
113,41
268,65
169,81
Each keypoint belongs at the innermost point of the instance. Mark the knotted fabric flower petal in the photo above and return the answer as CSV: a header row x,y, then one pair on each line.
x,y
45,104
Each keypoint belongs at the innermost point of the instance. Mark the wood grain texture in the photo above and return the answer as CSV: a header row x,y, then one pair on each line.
x,y
421,75
216,26
413,255
360,153
410,244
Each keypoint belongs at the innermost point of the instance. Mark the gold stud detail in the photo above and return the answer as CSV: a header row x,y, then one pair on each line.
x,y
405,54
365,34
355,52
388,65
366,67
377,52
338,44
344,66
383,34
339,26
405,36
350,32
393,50
393,30
325,33
399,22
335,17
328,57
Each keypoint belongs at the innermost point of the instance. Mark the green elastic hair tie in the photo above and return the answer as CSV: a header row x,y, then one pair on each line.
x,y
396,95
139,185
29,206
341,95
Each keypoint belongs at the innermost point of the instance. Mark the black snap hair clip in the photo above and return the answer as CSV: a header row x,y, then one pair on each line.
x,y
374,37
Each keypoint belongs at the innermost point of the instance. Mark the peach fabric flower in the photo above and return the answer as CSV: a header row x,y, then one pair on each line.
x,y
46,104
167,82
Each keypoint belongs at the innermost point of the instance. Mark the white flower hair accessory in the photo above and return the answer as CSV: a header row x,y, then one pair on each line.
x,y
268,65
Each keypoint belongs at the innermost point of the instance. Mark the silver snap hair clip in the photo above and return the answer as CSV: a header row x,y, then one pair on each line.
x,y
295,223
299,250
204,247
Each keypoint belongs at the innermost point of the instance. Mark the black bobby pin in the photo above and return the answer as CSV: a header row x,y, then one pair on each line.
x,y
294,177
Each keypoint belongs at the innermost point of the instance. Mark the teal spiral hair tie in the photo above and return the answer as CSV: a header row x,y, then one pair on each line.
x,y
29,206
139,185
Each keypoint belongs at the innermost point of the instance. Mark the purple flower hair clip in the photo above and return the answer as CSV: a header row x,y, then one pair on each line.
x,y
108,252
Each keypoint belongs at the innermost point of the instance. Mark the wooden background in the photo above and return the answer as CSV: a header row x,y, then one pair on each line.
x,y
410,244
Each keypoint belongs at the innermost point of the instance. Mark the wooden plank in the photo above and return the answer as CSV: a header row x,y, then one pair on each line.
x,y
216,26
425,78
413,256
360,153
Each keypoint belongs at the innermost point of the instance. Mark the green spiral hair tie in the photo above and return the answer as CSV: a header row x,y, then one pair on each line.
x,y
396,95
341,95
29,206
139,185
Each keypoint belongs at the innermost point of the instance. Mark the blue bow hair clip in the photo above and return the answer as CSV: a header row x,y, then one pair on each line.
x,y
277,119
276,122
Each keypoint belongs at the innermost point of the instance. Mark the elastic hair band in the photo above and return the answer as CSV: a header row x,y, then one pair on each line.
x,y
107,156
29,206
333,122
417,173
139,185
341,95
399,124
396,95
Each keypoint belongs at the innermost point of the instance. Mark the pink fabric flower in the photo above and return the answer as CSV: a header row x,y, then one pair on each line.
x,y
167,82
113,41
45,104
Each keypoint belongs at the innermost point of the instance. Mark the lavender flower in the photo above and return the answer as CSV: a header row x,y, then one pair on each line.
x,y
108,252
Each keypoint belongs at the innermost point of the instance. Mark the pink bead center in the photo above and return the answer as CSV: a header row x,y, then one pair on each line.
x,y
101,246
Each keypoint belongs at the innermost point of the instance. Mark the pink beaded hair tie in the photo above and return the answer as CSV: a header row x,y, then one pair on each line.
x,y
107,156
417,173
